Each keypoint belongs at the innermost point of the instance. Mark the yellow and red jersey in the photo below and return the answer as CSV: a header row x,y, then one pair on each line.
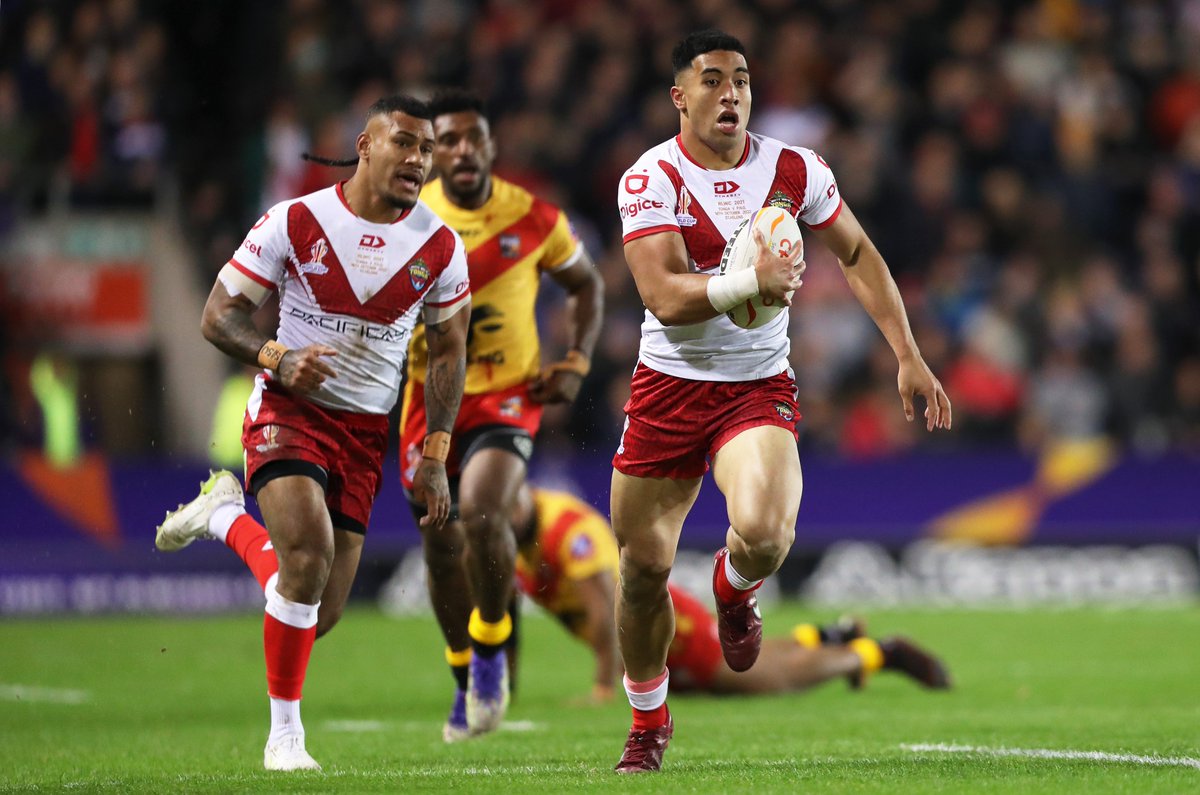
x,y
510,242
573,542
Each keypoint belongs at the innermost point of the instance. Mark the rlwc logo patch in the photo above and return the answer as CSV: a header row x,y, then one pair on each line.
x,y
683,216
316,253
510,246
512,407
418,274
785,411
271,435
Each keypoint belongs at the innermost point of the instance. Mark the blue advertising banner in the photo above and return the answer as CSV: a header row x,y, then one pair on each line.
x,y
82,538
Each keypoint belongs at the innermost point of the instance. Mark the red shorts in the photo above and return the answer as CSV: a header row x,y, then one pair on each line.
x,y
673,426
296,436
695,651
505,411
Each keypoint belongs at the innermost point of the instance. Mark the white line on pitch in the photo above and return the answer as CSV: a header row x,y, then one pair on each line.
x,y
1047,753
42,695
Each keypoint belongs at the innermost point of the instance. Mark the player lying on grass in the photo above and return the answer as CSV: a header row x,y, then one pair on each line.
x,y
567,563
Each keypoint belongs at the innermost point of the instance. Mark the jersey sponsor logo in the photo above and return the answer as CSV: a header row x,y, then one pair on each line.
x,y
632,209
371,241
510,246
636,183
683,216
725,187
316,253
785,411
262,220
582,547
252,247
340,324
418,274
781,200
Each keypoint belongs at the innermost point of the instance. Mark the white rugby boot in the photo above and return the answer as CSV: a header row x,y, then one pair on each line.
x,y
188,522
288,754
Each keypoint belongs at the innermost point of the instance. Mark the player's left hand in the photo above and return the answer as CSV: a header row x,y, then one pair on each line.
x,y
431,488
915,378
555,386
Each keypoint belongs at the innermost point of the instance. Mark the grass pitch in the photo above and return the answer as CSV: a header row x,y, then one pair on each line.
x,y
161,705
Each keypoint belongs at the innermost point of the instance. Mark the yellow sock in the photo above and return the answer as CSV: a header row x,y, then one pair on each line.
x,y
489,634
458,658
807,635
869,652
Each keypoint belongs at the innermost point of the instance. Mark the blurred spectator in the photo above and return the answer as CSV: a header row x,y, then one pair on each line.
x,y
1031,171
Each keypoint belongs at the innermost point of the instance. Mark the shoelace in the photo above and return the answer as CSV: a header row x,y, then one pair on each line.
x,y
644,741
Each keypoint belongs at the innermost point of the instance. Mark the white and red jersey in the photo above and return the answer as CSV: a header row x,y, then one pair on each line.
x,y
667,191
355,286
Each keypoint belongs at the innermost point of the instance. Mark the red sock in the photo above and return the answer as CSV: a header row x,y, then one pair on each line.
x,y
726,593
287,651
644,719
250,541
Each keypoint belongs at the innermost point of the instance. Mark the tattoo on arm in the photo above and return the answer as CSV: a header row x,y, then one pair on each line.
x,y
445,378
229,325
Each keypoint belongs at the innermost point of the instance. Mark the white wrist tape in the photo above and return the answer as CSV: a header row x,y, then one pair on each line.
x,y
726,292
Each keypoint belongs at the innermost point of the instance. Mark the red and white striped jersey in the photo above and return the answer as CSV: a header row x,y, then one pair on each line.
x,y
667,191
355,286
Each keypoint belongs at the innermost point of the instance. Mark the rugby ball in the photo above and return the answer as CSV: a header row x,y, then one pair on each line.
x,y
782,234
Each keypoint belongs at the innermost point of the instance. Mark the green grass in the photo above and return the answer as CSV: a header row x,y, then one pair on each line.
x,y
179,705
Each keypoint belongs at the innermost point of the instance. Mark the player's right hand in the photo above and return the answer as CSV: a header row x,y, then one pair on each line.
x,y
302,369
777,276
431,488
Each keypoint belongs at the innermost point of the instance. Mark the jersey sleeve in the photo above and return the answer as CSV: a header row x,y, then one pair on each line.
x,y
451,291
646,202
562,246
586,549
262,257
822,199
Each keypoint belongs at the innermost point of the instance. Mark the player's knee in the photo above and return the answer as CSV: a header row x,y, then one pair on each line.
x,y
769,544
306,569
643,578
443,552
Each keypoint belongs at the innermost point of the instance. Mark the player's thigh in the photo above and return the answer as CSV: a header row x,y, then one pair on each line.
x,y
294,511
647,517
491,479
758,471
347,551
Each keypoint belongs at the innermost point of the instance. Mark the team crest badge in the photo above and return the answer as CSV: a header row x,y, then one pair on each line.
x,y
785,411
512,407
510,246
683,215
781,200
418,274
316,253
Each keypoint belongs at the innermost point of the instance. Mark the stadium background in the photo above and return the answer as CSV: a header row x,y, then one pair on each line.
x,y
1030,170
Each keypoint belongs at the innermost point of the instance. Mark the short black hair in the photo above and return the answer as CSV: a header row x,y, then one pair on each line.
x,y
400,103
456,100
700,42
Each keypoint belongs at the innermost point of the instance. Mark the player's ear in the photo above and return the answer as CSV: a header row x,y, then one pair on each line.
x,y
679,99
363,145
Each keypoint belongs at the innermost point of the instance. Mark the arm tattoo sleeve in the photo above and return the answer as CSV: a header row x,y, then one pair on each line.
x,y
444,379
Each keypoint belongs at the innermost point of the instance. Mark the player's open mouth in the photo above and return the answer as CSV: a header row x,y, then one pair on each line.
x,y
410,180
727,122
465,172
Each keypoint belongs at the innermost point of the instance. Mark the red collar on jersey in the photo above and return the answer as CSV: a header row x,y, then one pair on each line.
x,y
342,195
682,148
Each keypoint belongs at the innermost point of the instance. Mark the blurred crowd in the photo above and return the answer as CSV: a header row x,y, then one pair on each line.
x,y
1030,170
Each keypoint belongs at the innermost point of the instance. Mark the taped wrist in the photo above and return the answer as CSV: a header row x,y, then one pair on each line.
x,y
436,446
271,354
728,290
